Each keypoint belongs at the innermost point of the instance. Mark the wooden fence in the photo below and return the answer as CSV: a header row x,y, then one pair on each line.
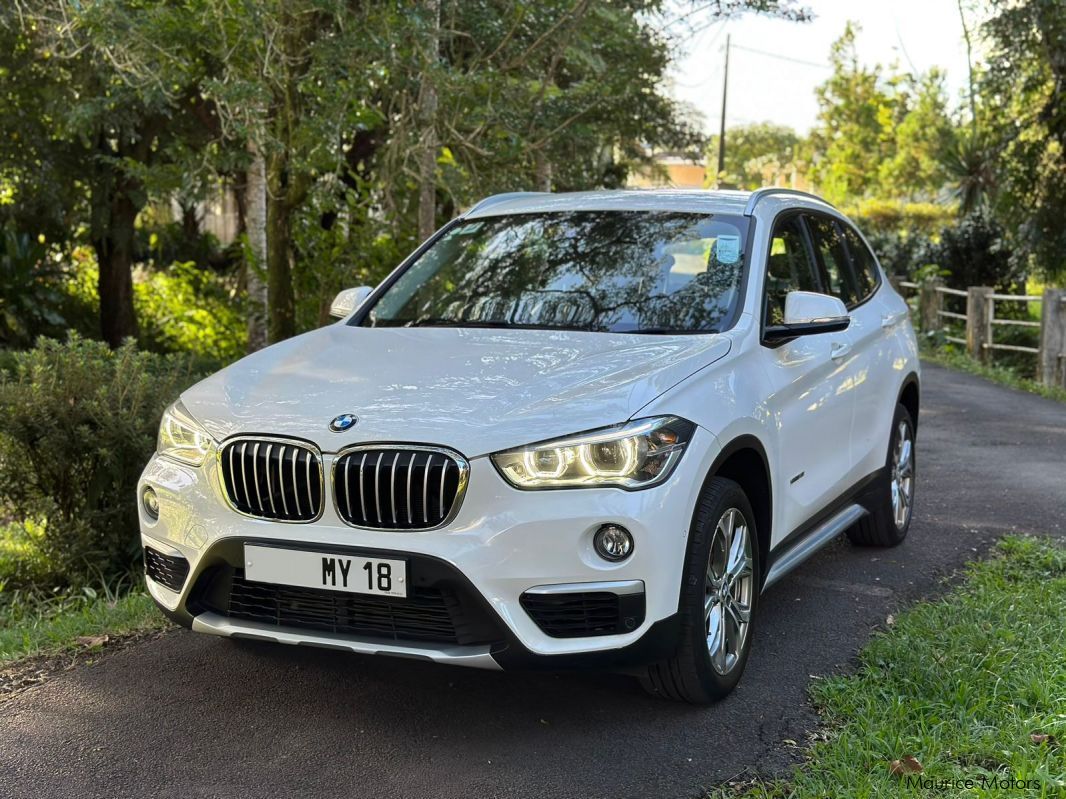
x,y
981,322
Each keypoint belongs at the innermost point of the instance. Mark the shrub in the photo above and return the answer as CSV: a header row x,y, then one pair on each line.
x,y
29,289
974,252
188,309
77,424
896,216
180,309
898,253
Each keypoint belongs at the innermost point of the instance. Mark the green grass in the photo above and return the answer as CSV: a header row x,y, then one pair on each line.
x,y
33,626
38,621
961,684
954,359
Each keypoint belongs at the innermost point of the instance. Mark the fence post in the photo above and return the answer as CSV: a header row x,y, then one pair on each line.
x,y
977,322
929,304
1052,363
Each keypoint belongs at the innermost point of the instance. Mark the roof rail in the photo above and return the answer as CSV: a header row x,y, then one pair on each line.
x,y
766,191
494,199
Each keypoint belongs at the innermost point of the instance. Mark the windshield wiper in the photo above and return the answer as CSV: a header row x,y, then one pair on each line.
x,y
670,331
499,323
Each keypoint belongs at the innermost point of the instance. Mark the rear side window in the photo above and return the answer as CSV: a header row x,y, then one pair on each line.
x,y
837,277
866,272
789,267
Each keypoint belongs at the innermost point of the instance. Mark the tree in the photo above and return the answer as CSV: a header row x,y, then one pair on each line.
x,y
855,110
923,138
757,155
1023,99
109,135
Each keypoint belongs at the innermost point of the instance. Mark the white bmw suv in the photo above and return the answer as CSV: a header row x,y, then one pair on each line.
x,y
570,430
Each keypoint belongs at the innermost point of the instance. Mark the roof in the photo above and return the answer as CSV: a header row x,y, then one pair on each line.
x,y
696,201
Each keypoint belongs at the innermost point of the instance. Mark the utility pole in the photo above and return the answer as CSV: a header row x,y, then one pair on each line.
x,y
721,127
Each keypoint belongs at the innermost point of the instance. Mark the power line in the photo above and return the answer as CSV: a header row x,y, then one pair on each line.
x,y
780,57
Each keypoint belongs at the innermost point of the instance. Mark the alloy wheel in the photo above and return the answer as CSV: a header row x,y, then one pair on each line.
x,y
729,590
902,475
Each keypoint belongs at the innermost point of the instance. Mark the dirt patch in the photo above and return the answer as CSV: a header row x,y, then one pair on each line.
x,y
23,674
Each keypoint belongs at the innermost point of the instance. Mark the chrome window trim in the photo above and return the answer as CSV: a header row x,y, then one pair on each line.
x,y
296,442
460,491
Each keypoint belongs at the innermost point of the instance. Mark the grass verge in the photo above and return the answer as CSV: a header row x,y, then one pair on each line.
x,y
33,627
972,687
954,359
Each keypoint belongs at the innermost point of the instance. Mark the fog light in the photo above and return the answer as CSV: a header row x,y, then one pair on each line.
x,y
151,502
613,543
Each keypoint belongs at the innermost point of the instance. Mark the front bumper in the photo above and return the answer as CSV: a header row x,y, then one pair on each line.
x,y
502,543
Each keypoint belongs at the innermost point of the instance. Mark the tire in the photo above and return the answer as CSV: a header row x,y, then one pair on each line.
x,y
692,675
887,524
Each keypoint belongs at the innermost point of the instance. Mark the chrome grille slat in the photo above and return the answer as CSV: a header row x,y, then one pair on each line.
x,y
410,512
377,485
392,487
413,487
288,495
270,488
296,494
255,476
281,468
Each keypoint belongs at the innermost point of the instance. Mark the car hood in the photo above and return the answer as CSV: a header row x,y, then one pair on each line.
x,y
476,390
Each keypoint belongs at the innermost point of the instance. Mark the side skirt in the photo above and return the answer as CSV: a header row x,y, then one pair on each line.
x,y
812,542
851,506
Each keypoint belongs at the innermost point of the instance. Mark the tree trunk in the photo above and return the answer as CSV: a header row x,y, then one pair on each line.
x,y
281,320
114,212
543,169
427,158
255,194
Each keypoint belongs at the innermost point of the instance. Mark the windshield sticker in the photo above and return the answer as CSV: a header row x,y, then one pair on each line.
x,y
727,248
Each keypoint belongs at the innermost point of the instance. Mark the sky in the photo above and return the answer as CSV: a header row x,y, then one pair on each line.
x,y
917,34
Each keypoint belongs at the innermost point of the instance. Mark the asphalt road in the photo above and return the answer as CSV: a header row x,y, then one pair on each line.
x,y
197,716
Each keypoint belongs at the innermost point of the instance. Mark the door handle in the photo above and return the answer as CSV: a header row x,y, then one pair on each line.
x,y
889,319
839,349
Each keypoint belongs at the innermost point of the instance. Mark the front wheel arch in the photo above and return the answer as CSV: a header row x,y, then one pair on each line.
x,y
743,460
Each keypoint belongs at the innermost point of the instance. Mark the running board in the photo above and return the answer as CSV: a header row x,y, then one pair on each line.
x,y
813,541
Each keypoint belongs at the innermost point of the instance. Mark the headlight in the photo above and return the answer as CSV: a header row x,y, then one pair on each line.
x,y
635,455
181,437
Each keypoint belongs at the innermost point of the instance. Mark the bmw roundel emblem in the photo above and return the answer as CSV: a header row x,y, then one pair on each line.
x,y
346,421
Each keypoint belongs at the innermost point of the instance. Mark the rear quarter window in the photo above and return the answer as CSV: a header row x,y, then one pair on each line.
x,y
866,271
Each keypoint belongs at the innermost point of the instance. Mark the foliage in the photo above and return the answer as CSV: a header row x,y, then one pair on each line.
x,y
899,253
191,310
32,626
879,134
756,155
29,289
887,216
974,252
77,423
1023,97
970,686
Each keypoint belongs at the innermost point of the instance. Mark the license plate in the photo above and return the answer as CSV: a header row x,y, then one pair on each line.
x,y
351,573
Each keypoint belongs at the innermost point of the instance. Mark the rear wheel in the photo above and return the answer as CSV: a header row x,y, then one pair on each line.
x,y
718,599
890,513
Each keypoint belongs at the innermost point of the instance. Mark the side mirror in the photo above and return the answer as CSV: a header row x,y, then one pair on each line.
x,y
345,303
808,313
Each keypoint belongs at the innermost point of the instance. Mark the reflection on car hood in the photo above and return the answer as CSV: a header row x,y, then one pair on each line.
x,y
477,390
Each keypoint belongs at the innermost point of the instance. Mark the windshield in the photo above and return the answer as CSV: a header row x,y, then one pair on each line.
x,y
604,271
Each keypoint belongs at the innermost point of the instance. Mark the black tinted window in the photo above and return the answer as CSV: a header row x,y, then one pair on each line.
x,y
837,278
788,269
604,271
865,266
